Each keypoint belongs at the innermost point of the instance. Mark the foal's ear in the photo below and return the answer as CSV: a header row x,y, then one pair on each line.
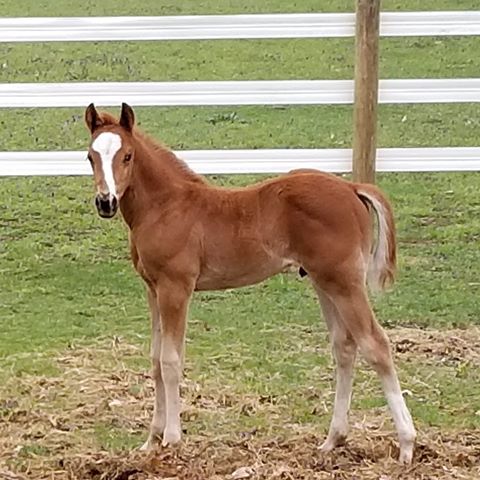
x,y
127,117
92,118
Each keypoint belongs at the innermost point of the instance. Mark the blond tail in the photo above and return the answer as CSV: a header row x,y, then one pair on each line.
x,y
382,262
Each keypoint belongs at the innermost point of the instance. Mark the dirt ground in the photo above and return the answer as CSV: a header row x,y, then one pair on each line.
x,y
87,389
369,457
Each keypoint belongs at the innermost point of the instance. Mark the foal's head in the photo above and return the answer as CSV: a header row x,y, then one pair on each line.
x,y
111,155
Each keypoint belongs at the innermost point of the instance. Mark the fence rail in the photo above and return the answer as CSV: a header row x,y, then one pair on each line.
x,y
277,92
258,161
239,93
202,27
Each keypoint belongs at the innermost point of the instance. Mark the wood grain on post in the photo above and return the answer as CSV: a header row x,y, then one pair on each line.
x,y
366,90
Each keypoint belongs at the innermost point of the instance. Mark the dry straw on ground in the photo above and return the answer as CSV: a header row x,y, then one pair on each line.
x,y
46,427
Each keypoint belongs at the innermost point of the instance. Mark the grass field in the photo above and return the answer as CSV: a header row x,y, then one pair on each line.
x,y
75,396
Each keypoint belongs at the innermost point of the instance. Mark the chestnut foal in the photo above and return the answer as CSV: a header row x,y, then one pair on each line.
x,y
187,235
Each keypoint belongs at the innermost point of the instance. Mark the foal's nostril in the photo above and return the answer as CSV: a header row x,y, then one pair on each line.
x,y
114,203
105,204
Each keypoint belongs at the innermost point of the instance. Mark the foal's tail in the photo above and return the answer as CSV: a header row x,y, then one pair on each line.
x,y
383,259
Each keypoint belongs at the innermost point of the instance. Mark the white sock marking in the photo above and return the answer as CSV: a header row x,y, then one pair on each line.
x,y
400,413
107,145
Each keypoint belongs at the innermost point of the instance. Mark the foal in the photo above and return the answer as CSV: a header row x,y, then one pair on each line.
x,y
187,235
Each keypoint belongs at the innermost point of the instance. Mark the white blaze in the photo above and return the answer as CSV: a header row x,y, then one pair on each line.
x,y
107,145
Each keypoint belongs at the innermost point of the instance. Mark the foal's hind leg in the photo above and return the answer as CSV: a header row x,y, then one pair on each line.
x,y
158,421
372,341
344,351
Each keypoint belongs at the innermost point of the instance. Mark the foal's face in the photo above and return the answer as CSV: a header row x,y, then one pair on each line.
x,y
111,156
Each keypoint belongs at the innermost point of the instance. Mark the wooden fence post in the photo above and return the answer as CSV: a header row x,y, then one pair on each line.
x,y
366,90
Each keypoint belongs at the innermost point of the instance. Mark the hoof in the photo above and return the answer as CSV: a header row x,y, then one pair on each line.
x,y
171,437
407,445
147,446
406,455
333,441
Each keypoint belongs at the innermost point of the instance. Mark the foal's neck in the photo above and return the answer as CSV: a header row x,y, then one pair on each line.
x,y
158,177
164,160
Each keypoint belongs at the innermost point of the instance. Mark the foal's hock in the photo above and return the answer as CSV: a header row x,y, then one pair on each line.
x,y
188,235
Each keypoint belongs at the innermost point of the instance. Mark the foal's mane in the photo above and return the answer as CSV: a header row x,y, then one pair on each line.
x,y
160,151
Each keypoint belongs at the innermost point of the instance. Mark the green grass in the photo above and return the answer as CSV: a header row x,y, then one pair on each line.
x,y
233,59
66,278
252,127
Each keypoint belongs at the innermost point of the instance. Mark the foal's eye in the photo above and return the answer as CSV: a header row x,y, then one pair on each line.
x,y
127,157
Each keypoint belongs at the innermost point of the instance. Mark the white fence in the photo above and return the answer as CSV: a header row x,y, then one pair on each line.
x,y
274,92
258,161
203,27
239,93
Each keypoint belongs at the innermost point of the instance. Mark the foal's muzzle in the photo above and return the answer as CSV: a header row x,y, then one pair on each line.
x,y
107,205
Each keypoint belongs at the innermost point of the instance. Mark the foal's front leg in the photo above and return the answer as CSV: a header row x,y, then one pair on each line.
x,y
173,299
158,421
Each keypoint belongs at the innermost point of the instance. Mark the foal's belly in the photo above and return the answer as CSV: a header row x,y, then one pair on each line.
x,y
240,274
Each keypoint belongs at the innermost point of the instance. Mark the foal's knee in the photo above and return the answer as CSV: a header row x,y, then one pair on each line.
x,y
171,366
